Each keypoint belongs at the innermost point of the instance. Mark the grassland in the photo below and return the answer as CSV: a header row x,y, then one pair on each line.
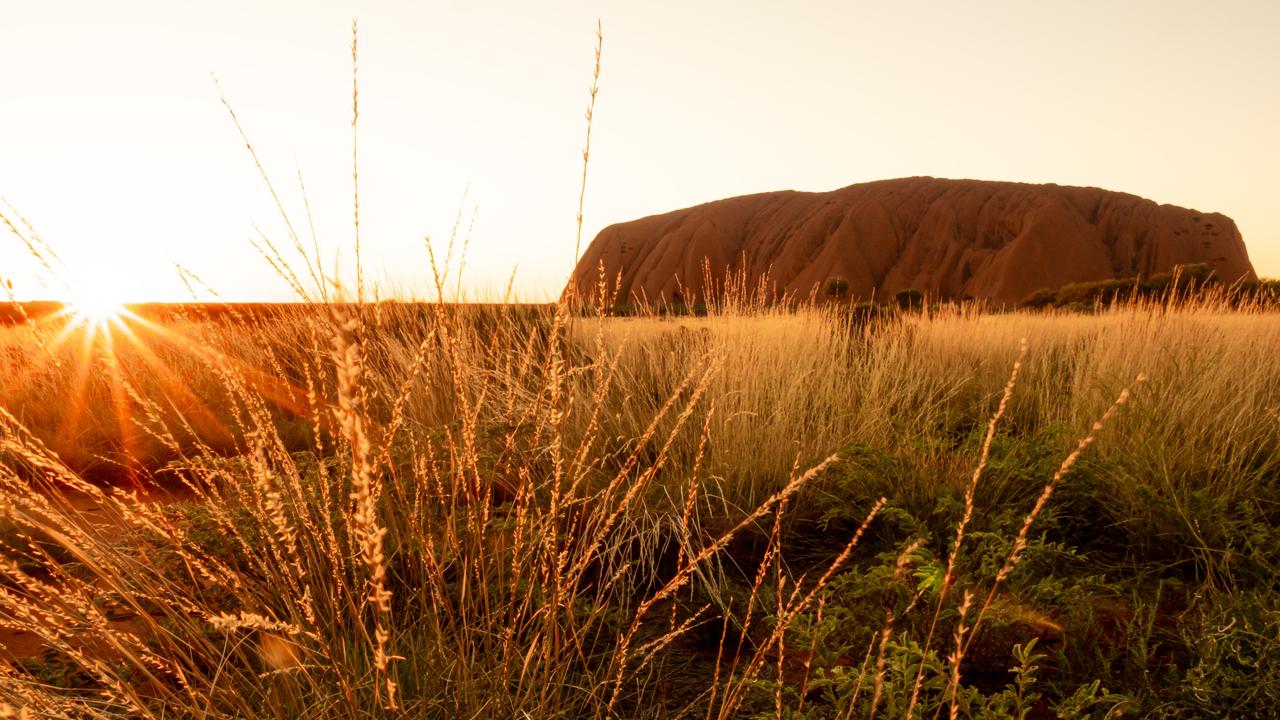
x,y
416,510
391,510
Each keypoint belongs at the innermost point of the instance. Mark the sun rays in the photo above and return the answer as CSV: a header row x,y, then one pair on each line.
x,y
95,312
112,354
94,305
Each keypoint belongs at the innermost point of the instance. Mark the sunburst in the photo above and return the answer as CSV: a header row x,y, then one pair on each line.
x,y
95,307
105,345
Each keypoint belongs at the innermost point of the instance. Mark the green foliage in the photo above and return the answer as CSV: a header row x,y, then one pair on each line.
x,y
885,685
909,299
1044,297
858,317
1104,603
1235,670
836,287
1088,293
1185,283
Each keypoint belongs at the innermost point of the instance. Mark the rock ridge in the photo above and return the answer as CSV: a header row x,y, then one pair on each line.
x,y
952,239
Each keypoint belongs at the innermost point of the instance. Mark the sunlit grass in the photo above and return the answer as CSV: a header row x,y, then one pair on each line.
x,y
424,510
507,456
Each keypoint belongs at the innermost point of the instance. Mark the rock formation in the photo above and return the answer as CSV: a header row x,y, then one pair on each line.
x,y
998,241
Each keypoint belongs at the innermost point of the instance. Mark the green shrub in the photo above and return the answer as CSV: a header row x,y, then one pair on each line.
x,y
1044,297
909,299
1235,673
836,288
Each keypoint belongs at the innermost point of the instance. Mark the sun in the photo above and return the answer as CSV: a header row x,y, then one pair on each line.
x,y
95,306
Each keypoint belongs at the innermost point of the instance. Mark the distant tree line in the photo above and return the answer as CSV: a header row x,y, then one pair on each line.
x,y
1186,282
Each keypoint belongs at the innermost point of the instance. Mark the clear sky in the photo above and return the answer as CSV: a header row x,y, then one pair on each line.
x,y
114,144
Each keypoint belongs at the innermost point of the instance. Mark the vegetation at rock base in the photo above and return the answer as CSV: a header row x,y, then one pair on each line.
x,y
1185,282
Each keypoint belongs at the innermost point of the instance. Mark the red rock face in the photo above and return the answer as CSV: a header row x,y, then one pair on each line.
x,y
998,241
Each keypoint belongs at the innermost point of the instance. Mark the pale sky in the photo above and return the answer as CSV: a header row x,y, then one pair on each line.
x,y
114,144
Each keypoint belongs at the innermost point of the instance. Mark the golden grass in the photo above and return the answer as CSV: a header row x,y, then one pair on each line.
x,y
797,383
398,509
426,506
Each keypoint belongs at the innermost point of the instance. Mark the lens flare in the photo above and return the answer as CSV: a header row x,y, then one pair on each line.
x,y
94,306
